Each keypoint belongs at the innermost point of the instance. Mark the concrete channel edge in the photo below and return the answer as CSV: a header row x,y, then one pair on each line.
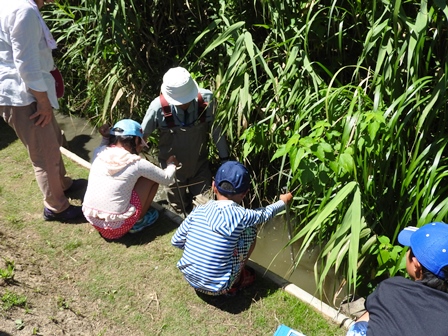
x,y
331,313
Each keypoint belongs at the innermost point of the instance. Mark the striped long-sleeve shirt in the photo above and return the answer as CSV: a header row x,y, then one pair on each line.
x,y
209,236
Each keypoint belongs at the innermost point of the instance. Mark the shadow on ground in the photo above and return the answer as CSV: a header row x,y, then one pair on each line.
x,y
162,226
81,138
7,137
243,299
2,333
79,192
78,144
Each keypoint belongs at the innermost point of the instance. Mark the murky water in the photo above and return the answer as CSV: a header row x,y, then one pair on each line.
x,y
270,252
272,237
82,138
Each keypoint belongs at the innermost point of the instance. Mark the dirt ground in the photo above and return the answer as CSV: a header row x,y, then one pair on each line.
x,y
45,287
76,283
45,284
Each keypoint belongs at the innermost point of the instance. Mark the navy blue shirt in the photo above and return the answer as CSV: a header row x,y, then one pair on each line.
x,y
400,306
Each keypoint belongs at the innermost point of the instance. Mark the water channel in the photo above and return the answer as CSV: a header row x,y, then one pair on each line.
x,y
269,252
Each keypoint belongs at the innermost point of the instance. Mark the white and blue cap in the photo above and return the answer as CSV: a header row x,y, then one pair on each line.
x,y
128,127
235,174
429,244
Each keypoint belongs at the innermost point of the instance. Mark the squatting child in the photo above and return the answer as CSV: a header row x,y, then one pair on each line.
x,y
122,185
400,306
217,238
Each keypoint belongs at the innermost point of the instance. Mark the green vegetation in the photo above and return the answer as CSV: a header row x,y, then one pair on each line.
x,y
7,274
67,279
11,299
342,101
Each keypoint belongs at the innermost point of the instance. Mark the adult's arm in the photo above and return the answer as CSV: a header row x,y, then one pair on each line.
x,y
149,123
26,33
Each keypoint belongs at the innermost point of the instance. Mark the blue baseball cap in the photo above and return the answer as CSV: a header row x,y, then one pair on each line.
x,y
128,127
234,173
429,244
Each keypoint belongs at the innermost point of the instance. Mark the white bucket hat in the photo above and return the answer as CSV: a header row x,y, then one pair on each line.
x,y
178,87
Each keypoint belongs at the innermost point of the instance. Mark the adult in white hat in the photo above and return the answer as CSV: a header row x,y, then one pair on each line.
x,y
184,114
27,99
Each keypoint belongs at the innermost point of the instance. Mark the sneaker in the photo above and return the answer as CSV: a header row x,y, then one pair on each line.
x,y
246,279
149,219
72,212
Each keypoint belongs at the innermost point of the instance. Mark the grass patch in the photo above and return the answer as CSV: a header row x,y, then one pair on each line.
x,y
7,273
77,282
11,299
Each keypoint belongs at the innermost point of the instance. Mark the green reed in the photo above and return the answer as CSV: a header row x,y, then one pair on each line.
x,y
342,101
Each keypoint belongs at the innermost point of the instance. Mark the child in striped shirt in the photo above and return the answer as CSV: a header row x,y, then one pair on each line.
x,y
217,238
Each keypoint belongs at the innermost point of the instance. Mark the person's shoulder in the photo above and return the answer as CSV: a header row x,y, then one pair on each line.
x,y
396,279
218,206
394,286
398,282
232,210
204,91
156,102
211,205
19,8
154,106
206,94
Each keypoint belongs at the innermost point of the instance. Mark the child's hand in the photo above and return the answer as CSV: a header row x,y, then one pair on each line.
x,y
287,198
172,160
104,130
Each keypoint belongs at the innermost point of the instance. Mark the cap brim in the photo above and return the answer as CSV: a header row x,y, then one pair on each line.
x,y
404,237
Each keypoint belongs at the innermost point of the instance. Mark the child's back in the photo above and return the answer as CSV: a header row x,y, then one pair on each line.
x,y
218,237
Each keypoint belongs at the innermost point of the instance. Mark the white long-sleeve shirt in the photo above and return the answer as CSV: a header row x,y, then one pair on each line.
x,y
113,175
25,58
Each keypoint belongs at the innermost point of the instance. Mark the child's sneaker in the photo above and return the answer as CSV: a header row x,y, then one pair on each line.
x,y
247,278
147,220
72,212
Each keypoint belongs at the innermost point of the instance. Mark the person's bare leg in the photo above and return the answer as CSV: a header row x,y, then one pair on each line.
x,y
146,191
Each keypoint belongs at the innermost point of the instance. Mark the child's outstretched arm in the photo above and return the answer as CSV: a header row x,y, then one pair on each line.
x,y
287,198
262,215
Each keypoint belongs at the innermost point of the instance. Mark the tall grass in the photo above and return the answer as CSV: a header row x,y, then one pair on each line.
x,y
342,101
353,99
114,54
